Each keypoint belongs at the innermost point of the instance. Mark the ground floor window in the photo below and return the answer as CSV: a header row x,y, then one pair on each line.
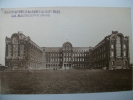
x,y
112,62
125,62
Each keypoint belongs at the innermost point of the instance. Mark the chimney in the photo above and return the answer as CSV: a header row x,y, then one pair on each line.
x,y
20,32
114,32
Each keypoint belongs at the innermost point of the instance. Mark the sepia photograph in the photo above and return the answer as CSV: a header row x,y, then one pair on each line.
x,y
64,50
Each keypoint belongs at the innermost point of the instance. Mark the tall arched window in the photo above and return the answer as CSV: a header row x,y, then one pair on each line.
x,y
15,46
118,46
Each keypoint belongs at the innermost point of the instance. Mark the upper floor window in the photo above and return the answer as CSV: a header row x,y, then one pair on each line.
x,y
67,48
124,54
124,46
112,46
15,40
112,53
9,47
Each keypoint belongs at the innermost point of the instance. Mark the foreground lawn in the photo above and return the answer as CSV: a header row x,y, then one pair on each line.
x,y
65,81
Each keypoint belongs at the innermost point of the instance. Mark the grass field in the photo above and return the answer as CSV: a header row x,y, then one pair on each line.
x,y
65,81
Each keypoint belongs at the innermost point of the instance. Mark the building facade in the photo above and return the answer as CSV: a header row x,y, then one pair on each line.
x,y
23,54
112,52
66,57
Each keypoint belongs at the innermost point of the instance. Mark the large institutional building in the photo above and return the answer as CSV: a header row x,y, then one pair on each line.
x,y
23,54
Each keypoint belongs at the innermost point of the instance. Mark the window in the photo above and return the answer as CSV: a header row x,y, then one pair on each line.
x,y
9,50
73,54
112,46
69,59
124,54
112,53
64,59
112,62
73,59
67,48
9,47
125,62
15,50
124,46
118,47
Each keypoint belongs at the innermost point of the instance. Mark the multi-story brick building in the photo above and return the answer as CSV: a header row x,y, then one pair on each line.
x,y
22,53
112,52
66,57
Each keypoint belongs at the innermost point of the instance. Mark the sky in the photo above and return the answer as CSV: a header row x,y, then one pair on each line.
x,y
82,26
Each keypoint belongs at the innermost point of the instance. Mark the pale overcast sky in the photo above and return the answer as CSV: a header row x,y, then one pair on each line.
x,y
83,27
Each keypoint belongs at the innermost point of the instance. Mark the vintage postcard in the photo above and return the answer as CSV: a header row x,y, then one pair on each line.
x,y
62,50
